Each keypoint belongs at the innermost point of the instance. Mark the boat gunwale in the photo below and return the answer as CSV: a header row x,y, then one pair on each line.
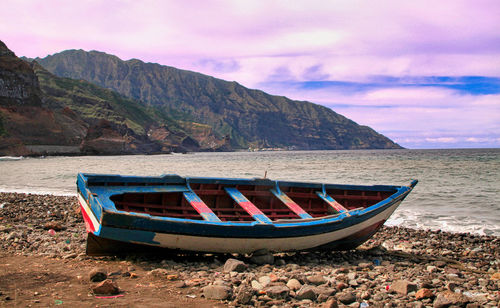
x,y
108,207
147,222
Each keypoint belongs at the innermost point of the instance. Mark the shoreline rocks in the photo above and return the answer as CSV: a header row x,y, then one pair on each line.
x,y
397,267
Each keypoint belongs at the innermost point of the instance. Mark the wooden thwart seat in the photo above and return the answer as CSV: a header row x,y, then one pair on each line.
x,y
201,207
331,202
248,206
294,207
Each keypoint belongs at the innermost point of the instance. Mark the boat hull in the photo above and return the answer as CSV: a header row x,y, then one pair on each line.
x,y
334,233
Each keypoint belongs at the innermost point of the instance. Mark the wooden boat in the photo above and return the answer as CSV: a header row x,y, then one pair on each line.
x,y
219,215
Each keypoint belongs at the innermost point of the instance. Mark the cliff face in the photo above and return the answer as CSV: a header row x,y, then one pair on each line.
x,y
24,120
250,118
43,114
17,82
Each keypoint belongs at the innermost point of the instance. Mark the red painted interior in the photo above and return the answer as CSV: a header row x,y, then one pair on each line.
x,y
213,195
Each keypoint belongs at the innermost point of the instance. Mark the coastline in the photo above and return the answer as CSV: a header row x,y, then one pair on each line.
x,y
43,261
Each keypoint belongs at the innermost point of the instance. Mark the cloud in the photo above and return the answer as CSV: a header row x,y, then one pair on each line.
x,y
410,69
222,66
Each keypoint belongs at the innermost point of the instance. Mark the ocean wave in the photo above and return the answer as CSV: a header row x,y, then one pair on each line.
x,y
11,158
431,221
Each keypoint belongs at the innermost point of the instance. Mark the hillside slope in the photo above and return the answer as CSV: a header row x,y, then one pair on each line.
x,y
42,114
250,118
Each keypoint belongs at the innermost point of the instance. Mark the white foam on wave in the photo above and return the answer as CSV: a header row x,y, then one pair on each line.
x,y
36,192
433,221
10,158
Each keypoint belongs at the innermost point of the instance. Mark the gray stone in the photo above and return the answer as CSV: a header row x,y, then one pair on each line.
x,y
217,292
277,292
294,284
98,274
366,265
244,295
257,285
306,292
233,265
316,279
279,262
264,281
346,298
261,259
321,290
158,273
448,298
331,303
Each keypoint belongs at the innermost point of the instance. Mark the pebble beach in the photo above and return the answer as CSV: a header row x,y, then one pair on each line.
x,y
42,238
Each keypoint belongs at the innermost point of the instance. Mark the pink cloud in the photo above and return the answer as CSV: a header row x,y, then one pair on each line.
x,y
252,41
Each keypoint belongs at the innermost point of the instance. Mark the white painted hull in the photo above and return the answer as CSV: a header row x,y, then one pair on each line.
x,y
231,244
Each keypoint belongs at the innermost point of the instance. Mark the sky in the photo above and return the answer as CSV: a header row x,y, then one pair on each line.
x,y
424,73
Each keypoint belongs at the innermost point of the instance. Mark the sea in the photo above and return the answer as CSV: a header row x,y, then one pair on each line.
x,y
458,189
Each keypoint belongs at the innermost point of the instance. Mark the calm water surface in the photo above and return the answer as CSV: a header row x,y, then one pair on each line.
x,y
458,190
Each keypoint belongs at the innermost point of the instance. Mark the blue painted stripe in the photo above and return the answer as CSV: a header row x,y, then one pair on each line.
x,y
89,179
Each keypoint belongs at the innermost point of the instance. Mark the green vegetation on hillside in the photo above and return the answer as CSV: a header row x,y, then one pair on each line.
x,y
249,117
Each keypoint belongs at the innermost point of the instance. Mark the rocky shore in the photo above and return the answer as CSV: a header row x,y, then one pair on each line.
x,y
43,263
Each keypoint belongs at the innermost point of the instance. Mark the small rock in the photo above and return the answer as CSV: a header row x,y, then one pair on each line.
x,y
341,286
244,296
265,281
448,298
158,273
261,257
440,263
403,287
293,284
365,265
331,303
278,292
424,293
365,295
98,274
495,276
346,298
279,262
234,265
326,291
431,268
256,285
217,292
451,286
106,287
53,225
316,279
306,292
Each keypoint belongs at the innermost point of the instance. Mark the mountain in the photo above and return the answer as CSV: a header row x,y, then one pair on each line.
x,y
244,117
41,114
